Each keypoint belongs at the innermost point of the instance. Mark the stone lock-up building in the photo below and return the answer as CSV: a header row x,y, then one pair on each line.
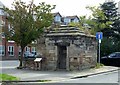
x,y
68,48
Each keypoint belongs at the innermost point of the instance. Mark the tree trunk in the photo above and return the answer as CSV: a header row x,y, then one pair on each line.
x,y
21,58
5,47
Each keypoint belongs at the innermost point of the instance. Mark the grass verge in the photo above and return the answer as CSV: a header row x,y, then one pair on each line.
x,y
6,77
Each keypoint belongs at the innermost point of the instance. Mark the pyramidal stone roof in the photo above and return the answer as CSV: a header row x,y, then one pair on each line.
x,y
66,31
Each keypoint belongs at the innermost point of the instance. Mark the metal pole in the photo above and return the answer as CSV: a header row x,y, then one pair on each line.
x,y
99,51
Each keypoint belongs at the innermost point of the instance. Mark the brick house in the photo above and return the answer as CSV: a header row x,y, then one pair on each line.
x,y
8,48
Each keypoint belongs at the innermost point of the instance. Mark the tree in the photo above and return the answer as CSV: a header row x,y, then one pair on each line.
x,y
105,18
82,24
116,28
28,22
110,11
97,20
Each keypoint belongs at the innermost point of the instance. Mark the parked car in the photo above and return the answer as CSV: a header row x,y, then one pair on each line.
x,y
113,59
28,54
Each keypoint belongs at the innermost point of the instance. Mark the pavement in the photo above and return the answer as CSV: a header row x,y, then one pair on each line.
x,y
56,76
9,67
89,72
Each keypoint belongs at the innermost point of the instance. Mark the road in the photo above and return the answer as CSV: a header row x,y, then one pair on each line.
x,y
11,64
63,76
111,77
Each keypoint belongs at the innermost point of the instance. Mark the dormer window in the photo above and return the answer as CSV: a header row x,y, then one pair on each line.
x,y
57,18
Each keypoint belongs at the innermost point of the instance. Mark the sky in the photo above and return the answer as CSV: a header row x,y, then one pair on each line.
x,y
66,7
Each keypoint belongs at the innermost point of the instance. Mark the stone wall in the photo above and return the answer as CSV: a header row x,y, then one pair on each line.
x,y
48,50
81,53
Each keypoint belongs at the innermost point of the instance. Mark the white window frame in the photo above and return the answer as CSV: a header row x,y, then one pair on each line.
x,y
33,49
1,22
2,50
11,41
10,50
34,42
27,48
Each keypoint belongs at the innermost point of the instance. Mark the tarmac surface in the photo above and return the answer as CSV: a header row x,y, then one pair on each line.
x,y
9,67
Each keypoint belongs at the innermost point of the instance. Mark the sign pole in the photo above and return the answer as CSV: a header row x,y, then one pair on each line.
x,y
99,50
99,36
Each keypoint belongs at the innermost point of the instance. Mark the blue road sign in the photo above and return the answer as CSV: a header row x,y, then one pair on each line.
x,y
99,35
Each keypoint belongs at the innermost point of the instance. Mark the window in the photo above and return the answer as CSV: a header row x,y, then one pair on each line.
x,y
1,12
11,50
118,55
9,27
75,20
27,49
112,55
66,20
33,50
1,22
3,35
2,50
57,18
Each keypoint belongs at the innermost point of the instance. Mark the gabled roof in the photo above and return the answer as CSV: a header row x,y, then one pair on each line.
x,y
54,14
71,17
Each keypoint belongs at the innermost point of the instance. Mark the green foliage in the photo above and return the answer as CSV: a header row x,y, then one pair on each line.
x,y
81,24
6,77
104,18
98,65
28,22
97,19
76,25
109,45
110,11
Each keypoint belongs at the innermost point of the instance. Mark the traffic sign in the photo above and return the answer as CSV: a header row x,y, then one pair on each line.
x,y
99,35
